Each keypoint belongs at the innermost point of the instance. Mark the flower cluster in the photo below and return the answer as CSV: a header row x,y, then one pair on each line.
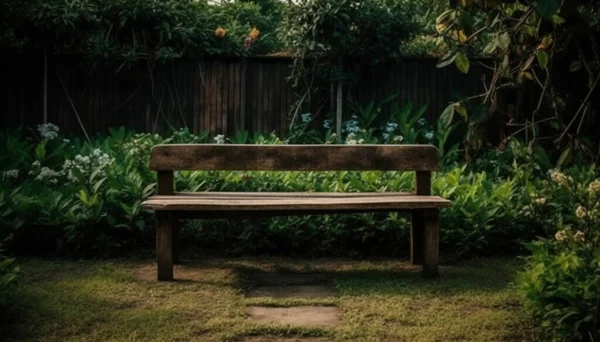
x,y
594,187
45,174
351,139
560,178
327,124
561,235
10,174
352,125
48,131
539,200
567,234
140,144
429,135
390,128
422,122
219,139
85,165
306,117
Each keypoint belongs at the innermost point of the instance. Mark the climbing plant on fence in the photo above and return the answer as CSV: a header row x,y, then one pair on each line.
x,y
549,46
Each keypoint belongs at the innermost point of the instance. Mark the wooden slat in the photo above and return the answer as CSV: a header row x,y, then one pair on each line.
x,y
308,203
294,157
285,194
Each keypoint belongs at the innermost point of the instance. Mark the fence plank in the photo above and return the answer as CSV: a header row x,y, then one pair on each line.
x,y
219,95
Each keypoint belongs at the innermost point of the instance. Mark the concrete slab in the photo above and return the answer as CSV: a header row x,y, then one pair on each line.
x,y
323,316
292,291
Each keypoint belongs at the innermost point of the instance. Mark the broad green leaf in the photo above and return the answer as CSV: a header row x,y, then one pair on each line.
x,y
542,58
557,19
460,109
462,63
564,156
548,8
447,115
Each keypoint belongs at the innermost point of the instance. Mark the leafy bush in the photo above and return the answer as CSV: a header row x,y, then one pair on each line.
x,y
562,278
8,281
72,197
122,31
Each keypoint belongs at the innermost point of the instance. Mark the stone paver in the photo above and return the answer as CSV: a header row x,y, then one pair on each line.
x,y
297,316
284,339
292,291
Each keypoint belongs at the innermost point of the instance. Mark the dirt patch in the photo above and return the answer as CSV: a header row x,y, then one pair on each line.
x,y
297,316
284,339
292,291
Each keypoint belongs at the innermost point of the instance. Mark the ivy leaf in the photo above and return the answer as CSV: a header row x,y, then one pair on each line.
x,y
542,58
462,63
548,8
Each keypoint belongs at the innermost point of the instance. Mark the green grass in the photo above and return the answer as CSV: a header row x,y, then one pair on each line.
x,y
380,301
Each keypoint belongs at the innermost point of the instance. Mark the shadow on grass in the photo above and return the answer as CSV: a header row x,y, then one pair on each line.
x,y
359,278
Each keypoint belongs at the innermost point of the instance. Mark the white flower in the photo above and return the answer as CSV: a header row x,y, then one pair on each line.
x,y
327,124
10,174
581,212
361,141
391,127
36,164
595,187
429,135
579,236
398,139
351,139
219,139
560,178
540,200
306,117
66,141
422,121
386,136
352,125
561,235
48,131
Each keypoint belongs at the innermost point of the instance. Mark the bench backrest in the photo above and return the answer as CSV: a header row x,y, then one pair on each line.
x,y
212,157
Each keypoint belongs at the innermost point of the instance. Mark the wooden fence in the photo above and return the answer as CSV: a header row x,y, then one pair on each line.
x,y
219,95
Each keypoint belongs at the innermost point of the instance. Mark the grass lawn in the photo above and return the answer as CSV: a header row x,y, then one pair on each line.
x,y
381,300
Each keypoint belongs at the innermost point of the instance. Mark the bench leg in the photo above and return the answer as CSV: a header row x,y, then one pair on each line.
x,y
431,243
417,228
164,246
177,241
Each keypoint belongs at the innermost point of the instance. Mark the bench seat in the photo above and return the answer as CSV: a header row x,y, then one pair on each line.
x,y
292,201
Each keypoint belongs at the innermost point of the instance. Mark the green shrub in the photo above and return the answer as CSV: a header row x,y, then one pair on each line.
x,y
562,277
84,198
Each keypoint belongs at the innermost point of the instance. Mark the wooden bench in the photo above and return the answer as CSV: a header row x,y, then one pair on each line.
x,y
171,206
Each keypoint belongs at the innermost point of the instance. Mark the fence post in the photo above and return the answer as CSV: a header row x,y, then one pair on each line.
x,y
243,90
